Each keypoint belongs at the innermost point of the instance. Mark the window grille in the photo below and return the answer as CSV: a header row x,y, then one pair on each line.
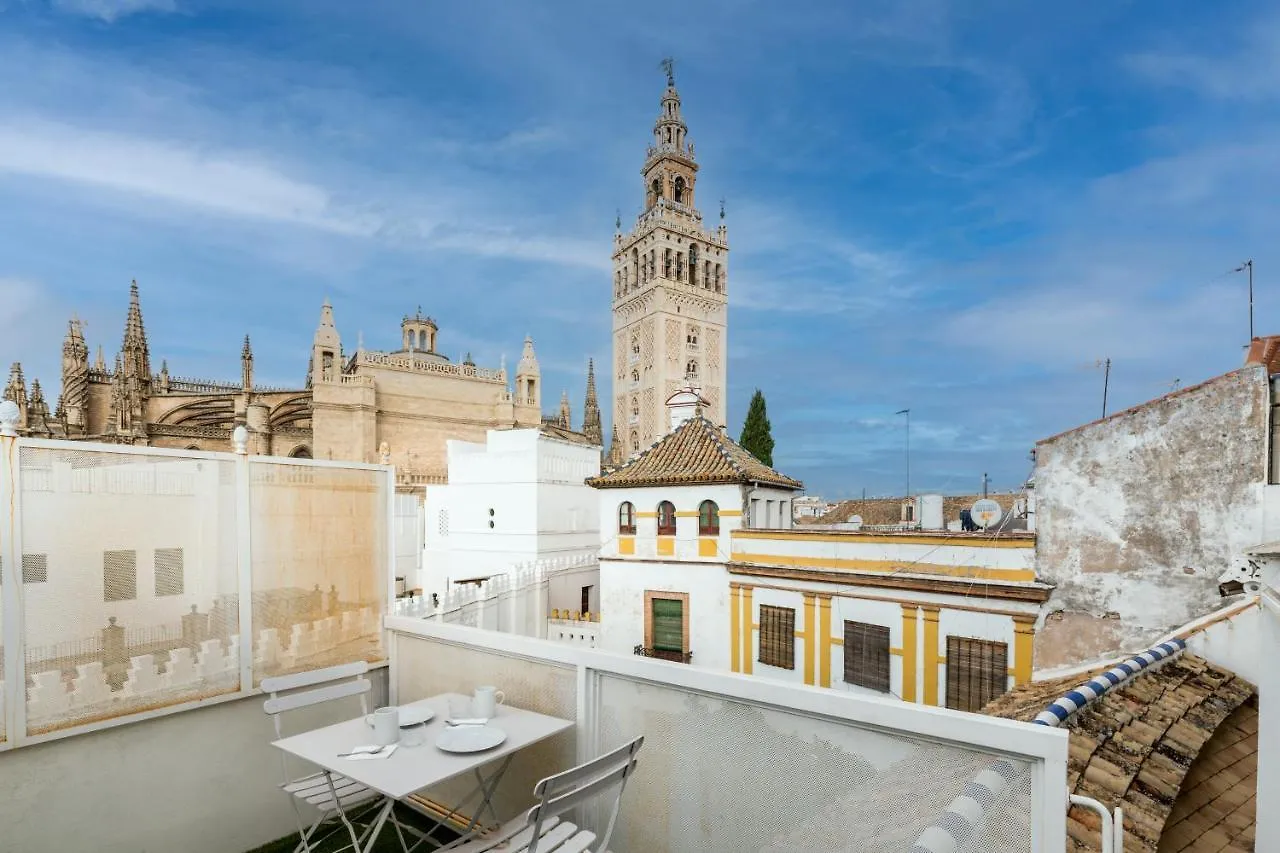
x,y
977,672
170,572
866,655
35,568
778,636
119,575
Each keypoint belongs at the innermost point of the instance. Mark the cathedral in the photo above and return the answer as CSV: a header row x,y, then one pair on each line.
x,y
670,293
350,405
670,324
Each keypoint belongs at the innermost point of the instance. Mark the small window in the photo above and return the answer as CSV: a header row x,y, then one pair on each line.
x,y
691,370
778,636
635,345
35,568
627,518
635,441
666,618
866,655
635,376
666,519
169,571
586,601
119,575
708,519
977,672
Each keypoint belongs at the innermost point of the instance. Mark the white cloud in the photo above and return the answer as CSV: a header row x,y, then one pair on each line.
x,y
224,183
112,10
1249,70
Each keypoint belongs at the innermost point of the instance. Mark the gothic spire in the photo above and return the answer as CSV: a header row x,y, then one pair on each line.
x,y
38,412
73,405
246,366
136,356
566,416
16,391
614,456
591,409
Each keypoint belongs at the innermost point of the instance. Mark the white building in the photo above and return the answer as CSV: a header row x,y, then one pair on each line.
x,y
809,506
519,498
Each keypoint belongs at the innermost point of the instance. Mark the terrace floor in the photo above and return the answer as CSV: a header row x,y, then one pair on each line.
x,y
340,839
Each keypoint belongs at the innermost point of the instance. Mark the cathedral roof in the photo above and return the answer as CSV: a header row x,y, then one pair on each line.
x,y
697,452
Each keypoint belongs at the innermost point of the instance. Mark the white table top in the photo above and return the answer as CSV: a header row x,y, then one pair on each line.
x,y
412,768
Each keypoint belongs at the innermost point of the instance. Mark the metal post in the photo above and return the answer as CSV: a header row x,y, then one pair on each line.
x,y
907,412
1106,382
1249,264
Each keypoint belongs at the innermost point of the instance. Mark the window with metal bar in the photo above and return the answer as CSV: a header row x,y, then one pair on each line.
x,y
866,655
169,571
119,575
668,628
778,636
977,672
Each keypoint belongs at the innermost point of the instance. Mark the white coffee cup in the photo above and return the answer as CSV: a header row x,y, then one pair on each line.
x,y
386,726
486,701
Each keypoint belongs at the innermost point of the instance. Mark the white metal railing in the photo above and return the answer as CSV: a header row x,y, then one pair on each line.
x,y
735,763
142,581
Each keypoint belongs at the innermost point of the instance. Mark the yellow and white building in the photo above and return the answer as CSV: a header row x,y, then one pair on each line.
x,y
699,563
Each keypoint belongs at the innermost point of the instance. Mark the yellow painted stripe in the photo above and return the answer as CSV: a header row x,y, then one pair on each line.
x,y
730,513
749,614
932,661
666,546
897,652
735,629
1023,649
686,513
824,641
884,566
910,653
646,515
885,538
810,626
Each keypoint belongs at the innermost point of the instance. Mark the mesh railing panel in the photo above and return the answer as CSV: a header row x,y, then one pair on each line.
x,y
319,565
717,774
427,667
129,583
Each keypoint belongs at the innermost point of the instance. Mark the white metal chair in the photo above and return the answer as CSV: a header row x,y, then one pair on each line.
x,y
332,795
541,827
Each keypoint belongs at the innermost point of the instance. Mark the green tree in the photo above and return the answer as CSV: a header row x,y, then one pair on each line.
x,y
757,439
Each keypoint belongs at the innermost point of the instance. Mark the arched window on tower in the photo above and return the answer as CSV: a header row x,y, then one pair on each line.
x,y
666,263
678,190
706,273
422,341
719,280
691,369
679,266
635,265
666,519
708,519
635,377
656,188
635,410
668,134
691,336
653,263
627,519
635,345
635,441
693,263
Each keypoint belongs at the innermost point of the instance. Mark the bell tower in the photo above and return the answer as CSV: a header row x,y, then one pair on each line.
x,y
670,292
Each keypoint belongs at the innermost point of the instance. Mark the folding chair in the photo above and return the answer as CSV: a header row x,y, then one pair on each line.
x,y
331,794
541,827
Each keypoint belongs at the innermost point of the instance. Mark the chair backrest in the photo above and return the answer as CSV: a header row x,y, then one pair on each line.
x,y
559,793
334,687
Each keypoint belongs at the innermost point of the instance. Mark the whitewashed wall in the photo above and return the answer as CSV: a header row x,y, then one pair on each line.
x,y
687,499
1139,514
1015,556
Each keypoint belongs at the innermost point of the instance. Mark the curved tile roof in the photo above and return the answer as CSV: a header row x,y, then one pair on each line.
x,y
1135,746
696,452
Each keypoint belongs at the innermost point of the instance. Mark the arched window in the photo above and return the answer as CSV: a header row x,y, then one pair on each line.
x,y
635,442
656,186
301,452
635,265
693,263
666,263
719,284
706,273
679,266
679,188
635,409
627,519
666,519
422,341
691,369
708,519
635,345
635,377
691,336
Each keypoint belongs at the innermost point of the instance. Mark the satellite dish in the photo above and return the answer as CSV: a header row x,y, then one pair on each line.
x,y
986,512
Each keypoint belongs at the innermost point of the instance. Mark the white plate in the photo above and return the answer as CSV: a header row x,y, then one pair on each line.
x,y
410,716
470,738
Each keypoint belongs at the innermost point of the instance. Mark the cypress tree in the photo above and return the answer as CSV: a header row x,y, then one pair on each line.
x,y
757,439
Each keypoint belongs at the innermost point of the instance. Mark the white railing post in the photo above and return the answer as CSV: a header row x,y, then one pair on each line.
x,y
1107,833
15,671
244,554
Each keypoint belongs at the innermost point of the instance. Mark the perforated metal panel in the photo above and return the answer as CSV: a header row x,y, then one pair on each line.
x,y
722,775
320,563
100,642
427,667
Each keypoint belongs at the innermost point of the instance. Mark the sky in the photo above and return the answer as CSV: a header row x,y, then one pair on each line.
x,y
954,208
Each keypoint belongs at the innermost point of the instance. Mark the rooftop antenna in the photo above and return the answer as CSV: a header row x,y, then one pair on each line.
x,y
1248,266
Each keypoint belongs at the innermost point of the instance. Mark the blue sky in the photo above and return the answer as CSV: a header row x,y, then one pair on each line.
x,y
956,208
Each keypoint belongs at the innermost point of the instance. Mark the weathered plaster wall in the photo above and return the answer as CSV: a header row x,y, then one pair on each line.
x,y
1138,514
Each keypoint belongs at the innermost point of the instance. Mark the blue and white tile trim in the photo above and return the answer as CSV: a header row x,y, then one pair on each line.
x,y
963,819
1062,709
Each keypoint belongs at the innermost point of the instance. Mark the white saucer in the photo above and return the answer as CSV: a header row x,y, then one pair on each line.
x,y
413,716
465,739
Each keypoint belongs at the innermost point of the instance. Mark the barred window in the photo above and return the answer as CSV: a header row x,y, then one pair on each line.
x,y
119,575
35,568
866,655
169,571
778,636
977,672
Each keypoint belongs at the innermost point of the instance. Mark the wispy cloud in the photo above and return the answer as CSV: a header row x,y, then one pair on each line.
x,y
113,10
1249,70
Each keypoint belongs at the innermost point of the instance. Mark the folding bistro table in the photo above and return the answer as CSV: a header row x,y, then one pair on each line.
x,y
413,768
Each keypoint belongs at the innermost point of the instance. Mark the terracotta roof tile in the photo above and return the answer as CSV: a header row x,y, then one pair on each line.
x,y
1175,747
697,451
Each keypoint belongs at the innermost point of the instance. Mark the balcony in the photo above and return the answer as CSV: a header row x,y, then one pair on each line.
x,y
663,654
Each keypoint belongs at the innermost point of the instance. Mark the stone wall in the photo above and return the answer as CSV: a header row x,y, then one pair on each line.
x,y
1138,514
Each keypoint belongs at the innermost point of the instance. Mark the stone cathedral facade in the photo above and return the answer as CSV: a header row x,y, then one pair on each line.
x,y
350,406
670,293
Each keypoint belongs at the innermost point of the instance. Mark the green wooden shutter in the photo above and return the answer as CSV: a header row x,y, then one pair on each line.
x,y
668,624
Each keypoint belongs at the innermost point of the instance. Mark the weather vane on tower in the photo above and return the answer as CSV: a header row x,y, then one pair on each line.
x,y
669,66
